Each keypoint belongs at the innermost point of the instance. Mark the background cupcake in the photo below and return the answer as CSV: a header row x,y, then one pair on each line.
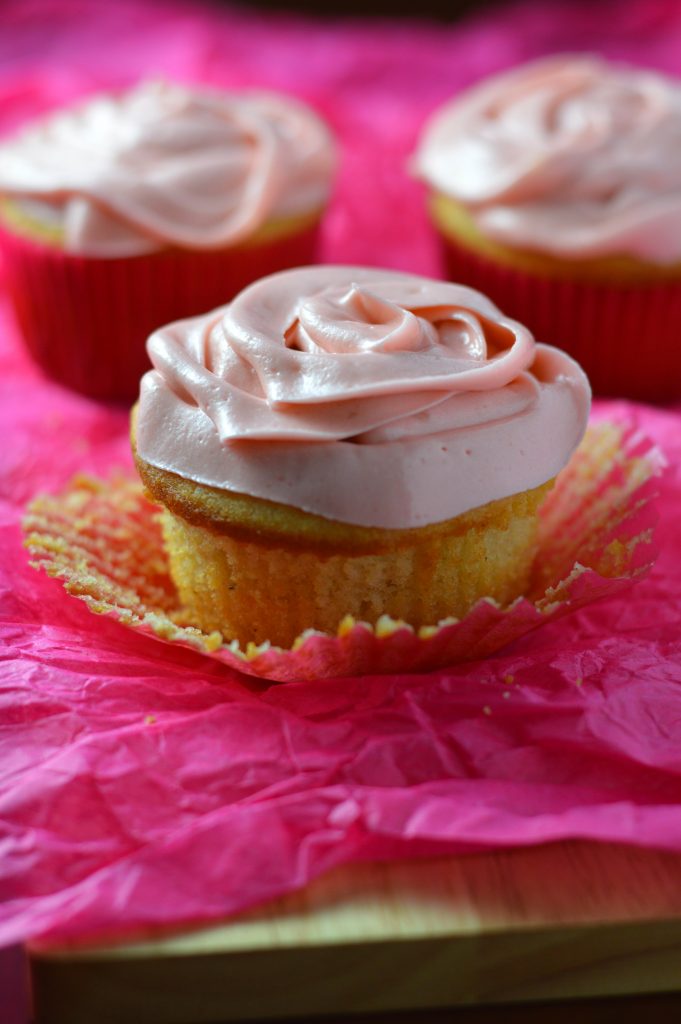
x,y
344,441
556,188
127,211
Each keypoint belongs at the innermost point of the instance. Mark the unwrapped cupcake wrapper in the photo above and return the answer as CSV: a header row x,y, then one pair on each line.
x,y
624,335
86,320
103,540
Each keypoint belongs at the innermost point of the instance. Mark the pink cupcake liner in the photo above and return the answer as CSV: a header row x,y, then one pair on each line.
x,y
85,321
624,335
103,540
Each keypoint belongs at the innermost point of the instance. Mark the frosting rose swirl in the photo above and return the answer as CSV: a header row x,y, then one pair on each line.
x,y
164,164
367,396
568,155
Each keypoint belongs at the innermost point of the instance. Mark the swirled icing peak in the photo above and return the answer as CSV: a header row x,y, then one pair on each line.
x,y
166,164
568,155
370,397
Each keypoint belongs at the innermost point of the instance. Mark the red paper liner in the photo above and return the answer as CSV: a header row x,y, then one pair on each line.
x,y
624,335
103,540
86,320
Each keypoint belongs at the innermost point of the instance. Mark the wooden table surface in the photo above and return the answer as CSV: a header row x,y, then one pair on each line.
x,y
521,927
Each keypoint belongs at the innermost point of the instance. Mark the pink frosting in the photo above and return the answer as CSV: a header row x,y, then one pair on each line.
x,y
568,155
366,396
168,165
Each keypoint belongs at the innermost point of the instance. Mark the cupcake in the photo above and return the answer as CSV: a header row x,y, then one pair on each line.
x,y
346,441
556,188
128,211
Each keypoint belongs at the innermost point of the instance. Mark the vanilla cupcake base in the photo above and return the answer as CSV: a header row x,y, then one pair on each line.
x,y
254,580
85,320
617,316
102,539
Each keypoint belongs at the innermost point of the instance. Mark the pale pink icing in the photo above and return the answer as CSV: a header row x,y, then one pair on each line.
x,y
568,155
166,164
366,396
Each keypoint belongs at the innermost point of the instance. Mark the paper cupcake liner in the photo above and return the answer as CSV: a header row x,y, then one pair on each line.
x,y
103,540
624,335
86,320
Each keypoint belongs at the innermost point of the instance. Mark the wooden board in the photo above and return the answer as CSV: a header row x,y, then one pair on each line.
x,y
553,922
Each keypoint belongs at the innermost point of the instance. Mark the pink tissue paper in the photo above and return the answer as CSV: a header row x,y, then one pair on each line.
x,y
131,769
